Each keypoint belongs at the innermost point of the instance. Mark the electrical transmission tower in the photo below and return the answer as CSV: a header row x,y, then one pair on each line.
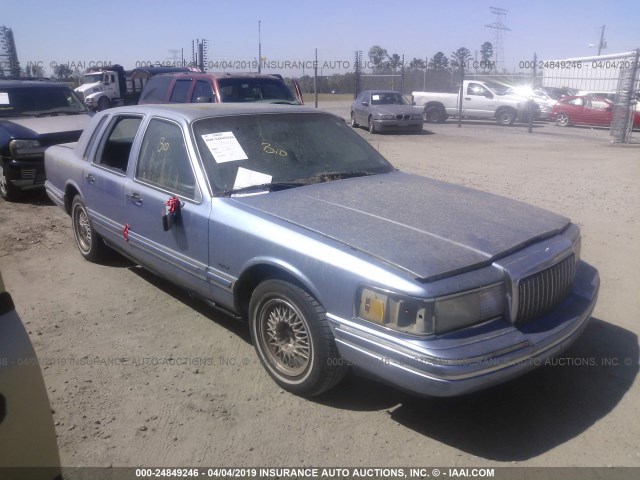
x,y
499,27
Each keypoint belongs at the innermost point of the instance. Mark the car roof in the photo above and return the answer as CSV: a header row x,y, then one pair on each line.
x,y
220,75
382,91
194,111
31,83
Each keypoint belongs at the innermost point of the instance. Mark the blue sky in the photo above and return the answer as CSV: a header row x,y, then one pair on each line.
x,y
135,31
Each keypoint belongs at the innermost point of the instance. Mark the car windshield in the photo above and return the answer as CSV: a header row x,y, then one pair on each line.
x,y
93,78
385,98
269,90
278,151
39,101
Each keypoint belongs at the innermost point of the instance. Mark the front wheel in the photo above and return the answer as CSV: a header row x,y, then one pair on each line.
x,y
353,120
293,340
372,126
103,103
7,190
563,120
506,116
88,241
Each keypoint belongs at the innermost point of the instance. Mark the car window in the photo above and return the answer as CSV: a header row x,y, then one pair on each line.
x,y
180,91
155,91
115,146
599,104
203,90
39,100
93,138
254,90
578,102
476,89
164,161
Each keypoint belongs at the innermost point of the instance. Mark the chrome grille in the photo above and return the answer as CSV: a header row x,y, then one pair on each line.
x,y
28,173
401,117
539,293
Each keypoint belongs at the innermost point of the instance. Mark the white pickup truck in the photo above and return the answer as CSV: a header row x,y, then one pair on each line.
x,y
479,100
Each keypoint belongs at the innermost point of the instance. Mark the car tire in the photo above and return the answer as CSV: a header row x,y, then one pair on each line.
x,y
372,126
7,190
563,120
353,120
506,116
90,244
434,115
293,340
103,103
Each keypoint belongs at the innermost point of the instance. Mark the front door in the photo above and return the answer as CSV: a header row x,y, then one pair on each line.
x,y
164,170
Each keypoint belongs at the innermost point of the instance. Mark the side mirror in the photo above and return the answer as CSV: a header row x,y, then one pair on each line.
x,y
204,100
365,104
489,95
171,213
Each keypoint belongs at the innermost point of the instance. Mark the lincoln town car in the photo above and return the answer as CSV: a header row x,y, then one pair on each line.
x,y
286,218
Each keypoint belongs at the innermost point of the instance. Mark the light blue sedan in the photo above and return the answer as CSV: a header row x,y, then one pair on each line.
x,y
285,217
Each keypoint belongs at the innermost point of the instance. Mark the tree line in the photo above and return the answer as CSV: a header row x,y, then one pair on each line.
x,y
383,62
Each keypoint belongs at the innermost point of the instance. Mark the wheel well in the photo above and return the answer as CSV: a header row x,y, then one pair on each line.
x,y
69,193
511,109
432,105
255,275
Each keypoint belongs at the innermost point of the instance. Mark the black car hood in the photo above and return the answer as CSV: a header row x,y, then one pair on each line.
x,y
428,228
49,130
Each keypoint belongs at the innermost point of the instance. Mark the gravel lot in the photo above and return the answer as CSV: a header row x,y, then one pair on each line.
x,y
140,374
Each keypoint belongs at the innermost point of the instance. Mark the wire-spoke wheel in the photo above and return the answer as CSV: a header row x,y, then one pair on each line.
x,y
7,190
292,338
89,242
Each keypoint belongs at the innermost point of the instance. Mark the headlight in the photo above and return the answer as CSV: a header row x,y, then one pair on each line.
x,y
439,315
387,117
25,148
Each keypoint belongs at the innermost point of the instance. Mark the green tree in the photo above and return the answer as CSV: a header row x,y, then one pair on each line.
x,y
395,62
377,55
486,53
63,72
417,64
439,62
460,58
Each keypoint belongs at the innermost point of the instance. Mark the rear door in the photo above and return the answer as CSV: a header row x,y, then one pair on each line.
x,y
105,175
164,169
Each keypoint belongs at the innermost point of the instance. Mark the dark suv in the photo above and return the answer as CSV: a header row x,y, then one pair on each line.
x,y
210,88
33,116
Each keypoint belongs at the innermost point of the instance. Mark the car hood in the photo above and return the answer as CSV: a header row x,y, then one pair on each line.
x,y
394,109
428,228
32,127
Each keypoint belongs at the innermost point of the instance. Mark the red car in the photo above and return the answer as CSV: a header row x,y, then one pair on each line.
x,y
586,110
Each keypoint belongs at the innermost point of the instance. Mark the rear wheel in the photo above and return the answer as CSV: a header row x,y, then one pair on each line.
x,y
563,120
353,120
434,115
88,241
7,190
293,340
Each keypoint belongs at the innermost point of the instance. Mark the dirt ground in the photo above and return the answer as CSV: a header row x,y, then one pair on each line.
x,y
140,374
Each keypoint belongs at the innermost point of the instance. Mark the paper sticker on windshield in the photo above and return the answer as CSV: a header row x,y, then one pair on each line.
x,y
224,147
248,178
4,98
375,97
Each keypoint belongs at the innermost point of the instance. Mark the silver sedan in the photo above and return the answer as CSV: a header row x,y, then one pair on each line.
x,y
383,110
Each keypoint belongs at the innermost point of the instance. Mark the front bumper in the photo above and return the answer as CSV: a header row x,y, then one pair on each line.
x,y
25,174
473,358
397,124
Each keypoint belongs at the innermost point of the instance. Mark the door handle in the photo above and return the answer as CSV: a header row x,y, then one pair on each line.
x,y
134,197
90,178
467,98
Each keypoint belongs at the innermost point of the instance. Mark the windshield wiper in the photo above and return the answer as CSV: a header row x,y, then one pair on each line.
x,y
271,186
331,176
56,112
